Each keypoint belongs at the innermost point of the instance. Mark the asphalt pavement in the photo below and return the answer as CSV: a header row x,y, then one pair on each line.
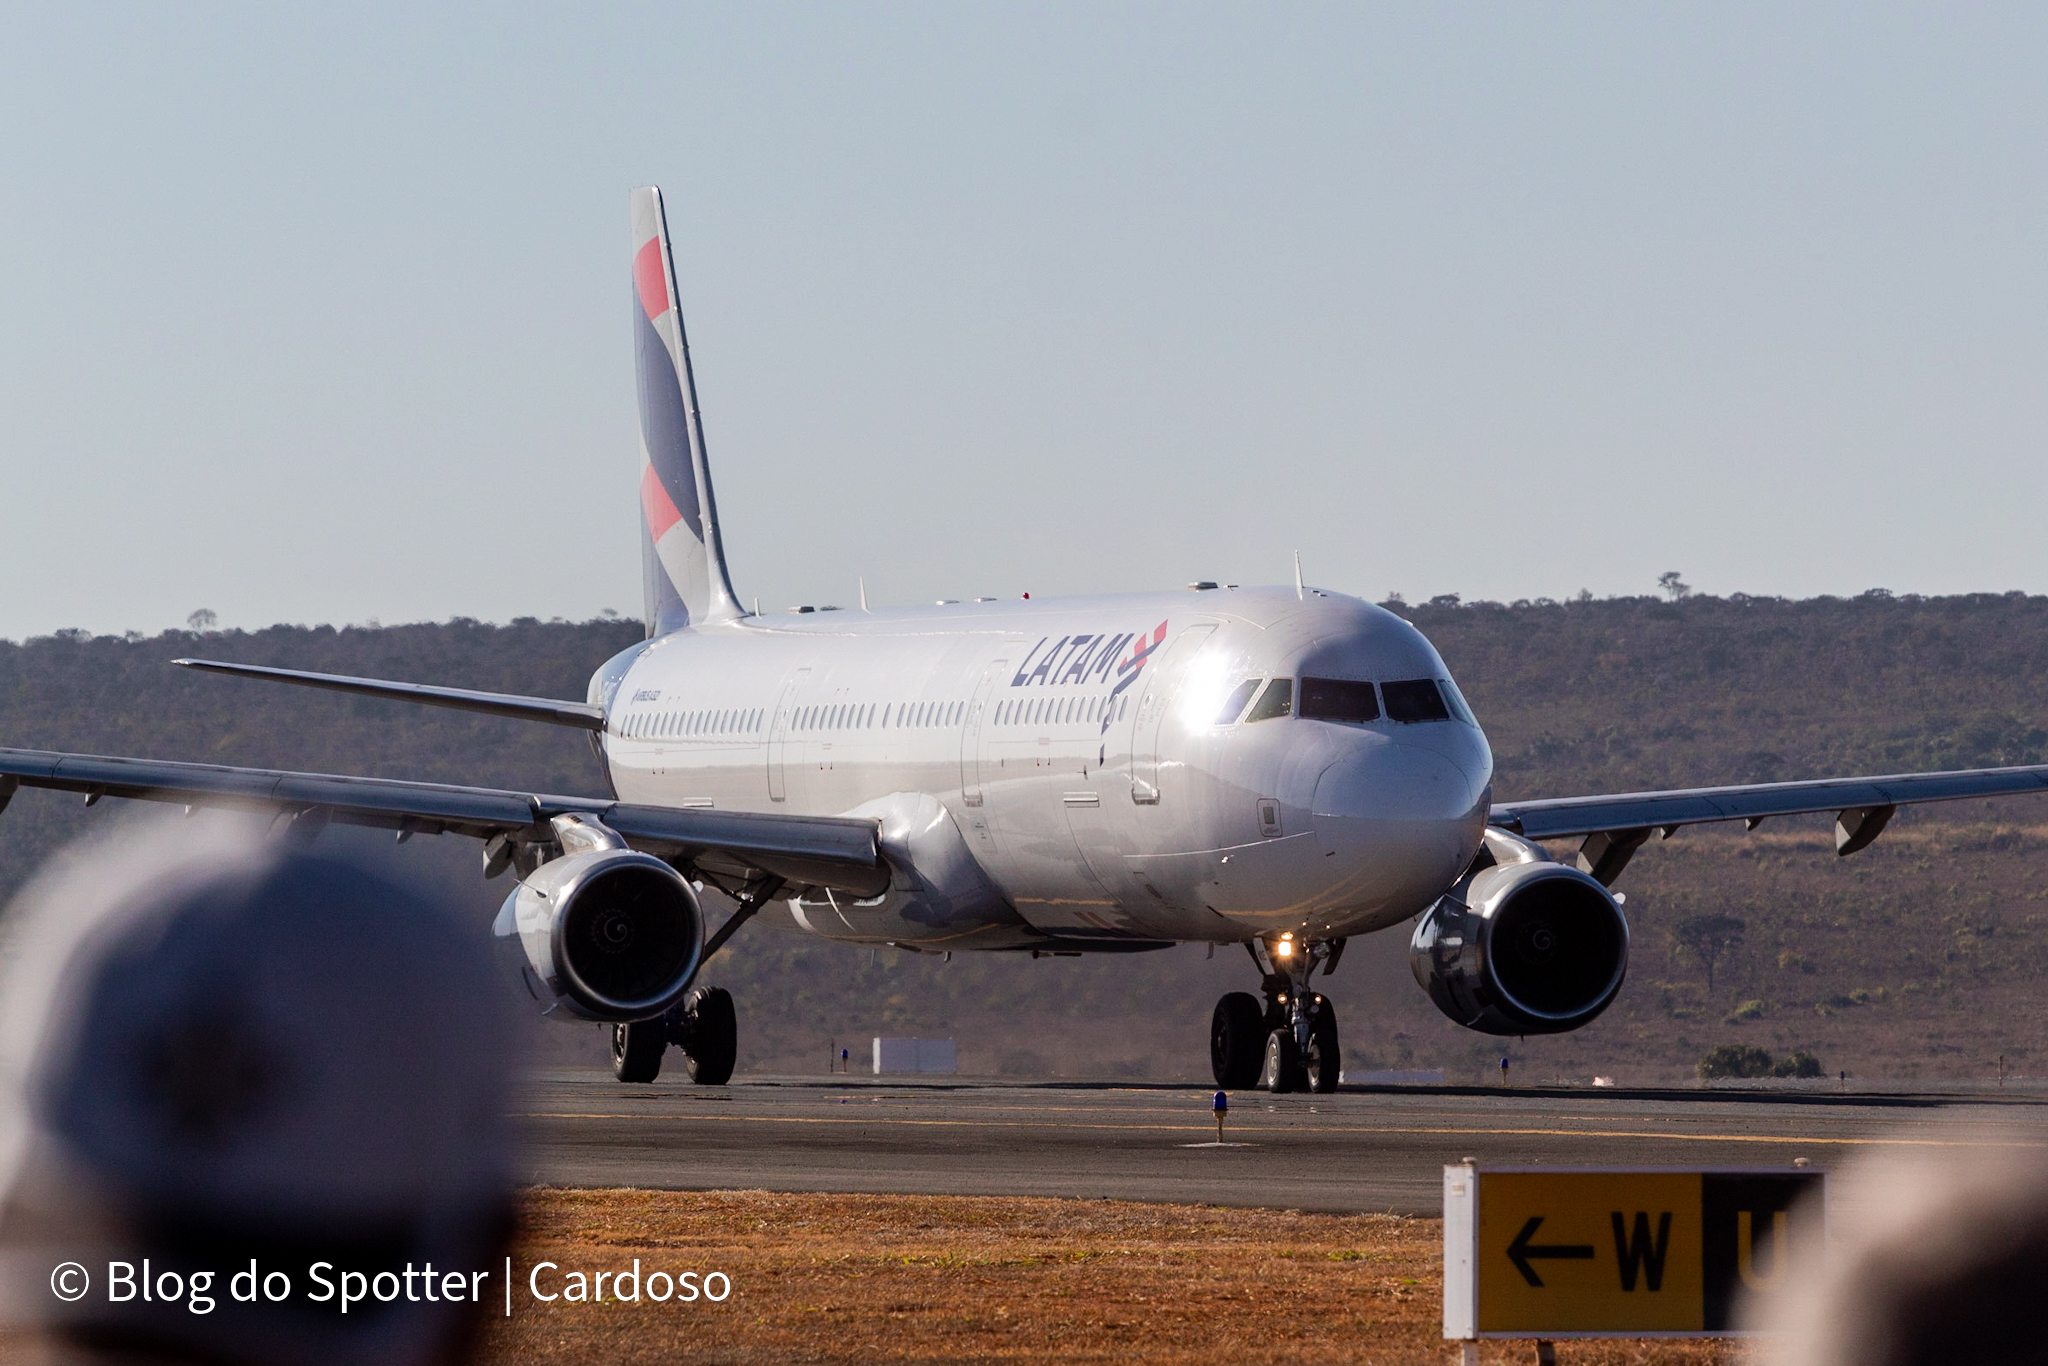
x,y
1358,1149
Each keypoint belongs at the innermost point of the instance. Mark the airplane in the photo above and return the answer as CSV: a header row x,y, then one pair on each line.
x,y
1281,767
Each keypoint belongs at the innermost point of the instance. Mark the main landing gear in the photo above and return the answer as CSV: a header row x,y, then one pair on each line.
x,y
703,1026
1289,1043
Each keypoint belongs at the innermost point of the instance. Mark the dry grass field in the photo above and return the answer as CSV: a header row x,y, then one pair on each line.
x,y
864,1278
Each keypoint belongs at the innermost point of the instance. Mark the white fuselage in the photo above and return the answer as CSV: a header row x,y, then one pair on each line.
x,y
1067,768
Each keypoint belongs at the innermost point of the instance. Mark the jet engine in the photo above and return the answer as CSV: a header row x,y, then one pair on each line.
x,y
1522,948
604,934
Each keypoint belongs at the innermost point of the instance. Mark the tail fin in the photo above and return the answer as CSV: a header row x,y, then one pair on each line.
x,y
682,560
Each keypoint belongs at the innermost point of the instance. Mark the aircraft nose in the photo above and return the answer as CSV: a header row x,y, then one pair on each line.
x,y
1397,822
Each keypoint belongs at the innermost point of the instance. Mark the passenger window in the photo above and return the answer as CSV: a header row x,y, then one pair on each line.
x,y
1276,700
1417,699
1233,706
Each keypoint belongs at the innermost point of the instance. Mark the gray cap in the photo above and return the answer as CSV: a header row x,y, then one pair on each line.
x,y
1938,1256
218,1046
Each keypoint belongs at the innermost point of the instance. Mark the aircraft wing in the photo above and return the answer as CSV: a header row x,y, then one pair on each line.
x,y
836,852
581,715
1614,826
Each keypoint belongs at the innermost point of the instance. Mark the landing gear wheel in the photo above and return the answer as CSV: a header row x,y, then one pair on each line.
x,y
637,1048
706,1029
1237,1040
1282,1070
1325,1060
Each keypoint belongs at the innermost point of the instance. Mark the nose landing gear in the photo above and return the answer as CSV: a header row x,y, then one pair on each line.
x,y
1289,1044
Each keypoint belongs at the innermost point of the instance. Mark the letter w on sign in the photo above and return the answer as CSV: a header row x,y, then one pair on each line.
x,y
1638,1254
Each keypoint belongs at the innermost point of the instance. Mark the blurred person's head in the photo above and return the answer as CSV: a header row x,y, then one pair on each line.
x,y
219,1046
1935,1255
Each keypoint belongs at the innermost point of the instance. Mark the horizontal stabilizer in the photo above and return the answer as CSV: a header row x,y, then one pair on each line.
x,y
579,714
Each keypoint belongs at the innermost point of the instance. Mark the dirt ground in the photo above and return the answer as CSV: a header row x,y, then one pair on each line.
x,y
889,1278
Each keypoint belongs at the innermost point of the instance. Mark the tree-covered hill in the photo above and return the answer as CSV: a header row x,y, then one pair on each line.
x,y
1920,956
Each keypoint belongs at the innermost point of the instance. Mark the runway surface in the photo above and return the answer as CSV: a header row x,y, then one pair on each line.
x,y
1359,1149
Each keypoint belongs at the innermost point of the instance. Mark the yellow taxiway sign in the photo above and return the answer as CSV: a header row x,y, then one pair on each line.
x,y
1560,1252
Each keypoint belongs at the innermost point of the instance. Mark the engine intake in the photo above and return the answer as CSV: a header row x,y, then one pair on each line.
x,y
606,934
1522,948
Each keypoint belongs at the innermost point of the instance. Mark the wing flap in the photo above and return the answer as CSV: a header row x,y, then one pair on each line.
x,y
835,851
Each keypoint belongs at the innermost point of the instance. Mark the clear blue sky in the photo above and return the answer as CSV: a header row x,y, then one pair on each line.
x,y
320,314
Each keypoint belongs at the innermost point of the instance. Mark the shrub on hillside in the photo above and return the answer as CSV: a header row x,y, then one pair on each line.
x,y
1797,1063
1735,1060
1743,1060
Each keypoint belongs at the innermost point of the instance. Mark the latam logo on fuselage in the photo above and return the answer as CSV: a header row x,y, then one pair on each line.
x,y
1086,659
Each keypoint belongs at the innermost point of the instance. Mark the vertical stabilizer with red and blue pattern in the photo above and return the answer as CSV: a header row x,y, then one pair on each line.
x,y
682,560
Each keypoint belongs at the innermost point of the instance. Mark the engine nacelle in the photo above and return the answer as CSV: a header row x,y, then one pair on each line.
x,y
1522,948
605,934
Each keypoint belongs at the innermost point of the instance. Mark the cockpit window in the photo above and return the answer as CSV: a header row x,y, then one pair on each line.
x,y
1415,700
1233,706
1276,700
1338,699
1459,707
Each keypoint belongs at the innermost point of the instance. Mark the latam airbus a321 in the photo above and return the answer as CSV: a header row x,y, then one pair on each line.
x,y
1281,768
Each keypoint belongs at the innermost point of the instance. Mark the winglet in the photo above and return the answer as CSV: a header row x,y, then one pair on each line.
x,y
682,558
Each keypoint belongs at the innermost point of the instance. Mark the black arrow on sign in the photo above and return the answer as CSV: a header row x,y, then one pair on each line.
x,y
1521,1252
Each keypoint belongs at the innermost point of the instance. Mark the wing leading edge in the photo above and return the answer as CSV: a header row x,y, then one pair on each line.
x,y
1615,826
825,851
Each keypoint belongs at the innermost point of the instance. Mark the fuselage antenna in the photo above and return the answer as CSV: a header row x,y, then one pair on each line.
x,y
1299,592
863,594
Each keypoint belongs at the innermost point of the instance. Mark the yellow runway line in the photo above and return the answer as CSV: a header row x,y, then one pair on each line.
x,y
879,1121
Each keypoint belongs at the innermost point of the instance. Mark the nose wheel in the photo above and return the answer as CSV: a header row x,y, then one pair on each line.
x,y
1290,1042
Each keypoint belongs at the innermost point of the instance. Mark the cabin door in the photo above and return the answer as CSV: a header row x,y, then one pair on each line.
x,y
1161,687
970,735
778,735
